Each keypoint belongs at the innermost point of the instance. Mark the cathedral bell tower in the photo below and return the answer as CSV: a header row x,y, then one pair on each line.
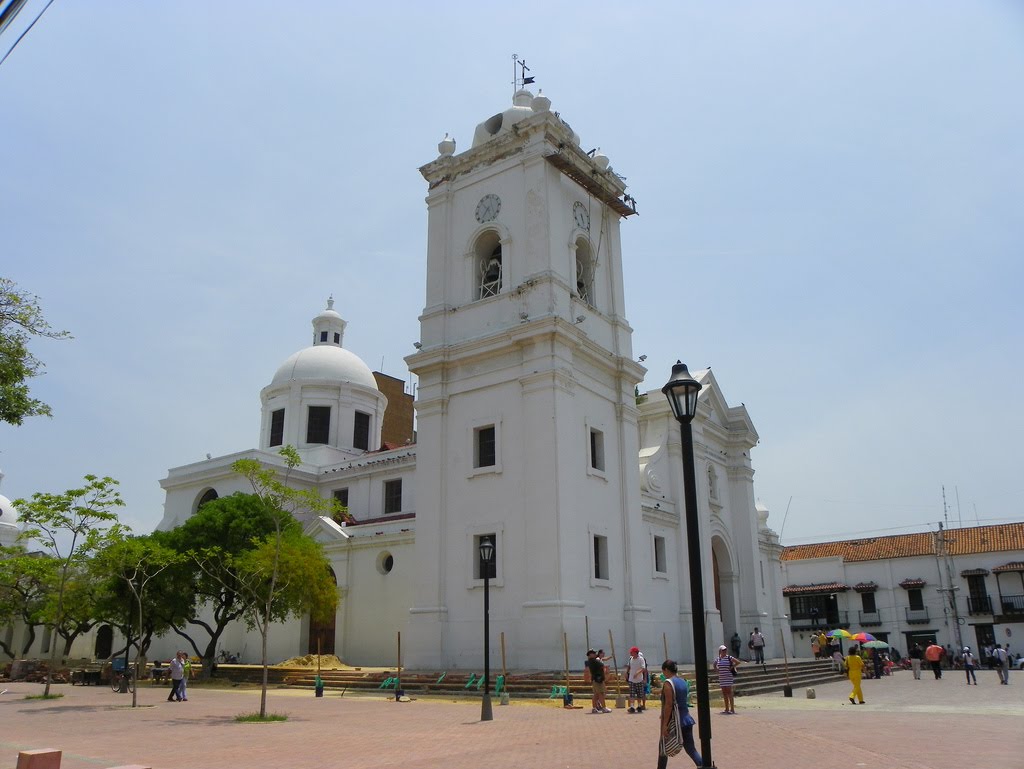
x,y
527,423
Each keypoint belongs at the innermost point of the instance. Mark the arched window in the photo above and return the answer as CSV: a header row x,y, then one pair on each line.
x,y
208,496
489,266
584,272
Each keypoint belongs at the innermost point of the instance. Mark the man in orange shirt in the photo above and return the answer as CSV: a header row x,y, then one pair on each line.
x,y
934,654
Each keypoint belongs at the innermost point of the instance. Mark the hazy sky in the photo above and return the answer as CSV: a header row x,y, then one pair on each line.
x,y
830,200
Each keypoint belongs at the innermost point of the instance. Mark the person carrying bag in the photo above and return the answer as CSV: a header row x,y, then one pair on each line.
x,y
676,722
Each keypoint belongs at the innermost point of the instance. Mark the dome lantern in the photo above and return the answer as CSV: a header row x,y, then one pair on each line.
x,y
328,326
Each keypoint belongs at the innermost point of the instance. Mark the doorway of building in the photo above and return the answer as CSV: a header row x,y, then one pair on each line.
x,y
321,634
104,642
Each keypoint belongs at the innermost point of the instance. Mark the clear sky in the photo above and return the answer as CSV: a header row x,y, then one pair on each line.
x,y
830,200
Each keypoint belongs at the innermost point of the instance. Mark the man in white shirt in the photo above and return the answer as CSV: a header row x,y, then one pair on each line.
x,y
757,644
636,675
1001,658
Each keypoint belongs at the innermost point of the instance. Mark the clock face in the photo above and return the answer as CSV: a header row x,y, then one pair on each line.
x,y
581,216
487,209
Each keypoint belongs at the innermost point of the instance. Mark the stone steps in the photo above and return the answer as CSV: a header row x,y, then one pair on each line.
x,y
752,679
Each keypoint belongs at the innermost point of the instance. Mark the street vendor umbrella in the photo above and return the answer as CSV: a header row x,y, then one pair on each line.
x,y
840,633
876,645
862,636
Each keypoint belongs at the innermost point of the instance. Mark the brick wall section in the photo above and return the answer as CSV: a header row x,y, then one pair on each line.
x,y
397,429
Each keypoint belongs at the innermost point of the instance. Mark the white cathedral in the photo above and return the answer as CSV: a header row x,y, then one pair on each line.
x,y
529,435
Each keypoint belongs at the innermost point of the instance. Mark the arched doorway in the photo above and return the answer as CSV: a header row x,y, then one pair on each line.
x,y
321,634
725,588
104,642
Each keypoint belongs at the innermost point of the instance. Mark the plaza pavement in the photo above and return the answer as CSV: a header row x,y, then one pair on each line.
x,y
906,724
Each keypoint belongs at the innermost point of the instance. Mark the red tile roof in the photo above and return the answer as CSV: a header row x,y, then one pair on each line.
x,y
1012,566
865,587
909,583
966,541
826,587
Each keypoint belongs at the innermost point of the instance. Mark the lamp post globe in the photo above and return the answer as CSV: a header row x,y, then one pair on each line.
x,y
486,559
681,391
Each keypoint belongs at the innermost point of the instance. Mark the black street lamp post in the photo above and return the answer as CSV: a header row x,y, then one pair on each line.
x,y
681,391
486,558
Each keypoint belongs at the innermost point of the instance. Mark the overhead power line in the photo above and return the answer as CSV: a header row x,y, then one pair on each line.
x,y
37,18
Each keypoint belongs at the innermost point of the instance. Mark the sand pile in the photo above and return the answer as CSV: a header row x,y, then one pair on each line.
x,y
310,661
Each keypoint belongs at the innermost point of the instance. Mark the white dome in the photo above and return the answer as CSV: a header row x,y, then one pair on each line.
x,y
325,362
8,515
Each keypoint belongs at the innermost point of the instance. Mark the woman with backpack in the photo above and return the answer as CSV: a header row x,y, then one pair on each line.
x,y
676,721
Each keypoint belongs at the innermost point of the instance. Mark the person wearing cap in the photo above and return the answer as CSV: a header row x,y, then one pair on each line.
x,y
726,666
969,665
636,675
593,674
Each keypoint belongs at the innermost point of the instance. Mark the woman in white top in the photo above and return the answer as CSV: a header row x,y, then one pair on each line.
x,y
969,665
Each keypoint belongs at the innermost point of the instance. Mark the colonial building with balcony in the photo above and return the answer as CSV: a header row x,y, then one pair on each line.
x,y
959,587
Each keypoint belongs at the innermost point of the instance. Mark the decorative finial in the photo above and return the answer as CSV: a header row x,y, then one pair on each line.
x,y
541,103
519,77
330,302
446,146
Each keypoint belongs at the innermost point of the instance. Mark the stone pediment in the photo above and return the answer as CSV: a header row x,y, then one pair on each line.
x,y
325,530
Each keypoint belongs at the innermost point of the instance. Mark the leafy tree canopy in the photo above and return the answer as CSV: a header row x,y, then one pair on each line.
x,y
21,318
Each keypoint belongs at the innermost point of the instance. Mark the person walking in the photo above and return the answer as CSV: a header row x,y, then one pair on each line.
x,y
186,674
934,656
736,643
177,670
593,674
637,677
1001,661
757,644
969,665
855,669
916,655
726,666
675,694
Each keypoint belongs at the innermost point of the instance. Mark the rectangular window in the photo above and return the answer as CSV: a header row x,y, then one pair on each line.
x,y
277,427
484,451
318,425
597,449
323,336
916,599
337,338
341,497
481,567
393,496
660,565
868,602
361,432
600,557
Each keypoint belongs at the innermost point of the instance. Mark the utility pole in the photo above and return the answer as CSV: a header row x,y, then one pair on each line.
x,y
943,552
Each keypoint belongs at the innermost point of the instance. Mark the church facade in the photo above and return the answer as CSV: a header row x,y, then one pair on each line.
x,y
530,435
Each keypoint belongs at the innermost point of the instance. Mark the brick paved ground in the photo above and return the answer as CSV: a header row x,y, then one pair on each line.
x,y
905,724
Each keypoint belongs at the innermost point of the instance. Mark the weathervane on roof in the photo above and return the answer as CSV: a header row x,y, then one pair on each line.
x,y
519,70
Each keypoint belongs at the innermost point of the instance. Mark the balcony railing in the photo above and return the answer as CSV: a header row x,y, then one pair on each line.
x,y
870,618
981,604
1012,604
917,616
833,619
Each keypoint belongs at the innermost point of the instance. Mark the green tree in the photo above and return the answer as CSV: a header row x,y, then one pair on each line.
x,y
21,318
26,582
136,562
71,527
233,525
286,574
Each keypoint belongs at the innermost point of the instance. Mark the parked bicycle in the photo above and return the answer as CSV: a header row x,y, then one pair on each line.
x,y
120,674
